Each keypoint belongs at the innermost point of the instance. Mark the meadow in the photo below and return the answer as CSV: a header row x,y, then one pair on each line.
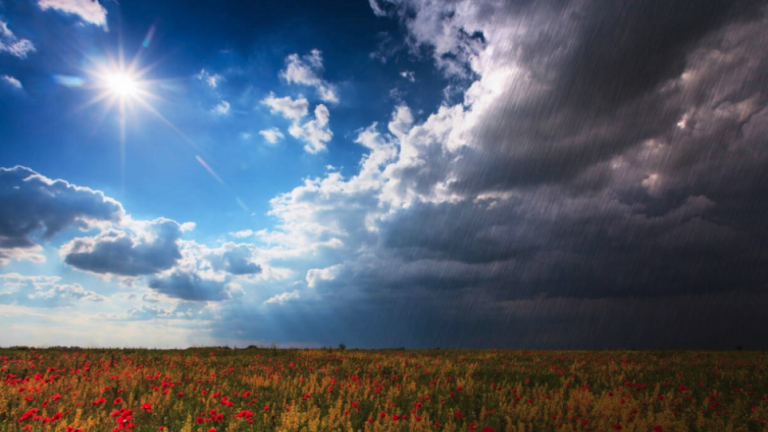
x,y
256,389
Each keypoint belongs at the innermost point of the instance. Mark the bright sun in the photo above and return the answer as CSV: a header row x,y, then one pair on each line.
x,y
122,85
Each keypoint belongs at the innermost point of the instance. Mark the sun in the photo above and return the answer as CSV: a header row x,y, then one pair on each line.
x,y
122,85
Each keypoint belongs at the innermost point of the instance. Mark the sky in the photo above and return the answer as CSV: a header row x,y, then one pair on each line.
x,y
570,174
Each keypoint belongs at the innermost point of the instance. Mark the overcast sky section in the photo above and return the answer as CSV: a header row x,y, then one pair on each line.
x,y
600,181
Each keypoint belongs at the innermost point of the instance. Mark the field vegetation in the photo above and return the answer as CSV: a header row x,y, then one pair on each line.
x,y
262,389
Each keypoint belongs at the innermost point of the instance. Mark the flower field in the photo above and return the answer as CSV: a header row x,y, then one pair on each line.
x,y
253,389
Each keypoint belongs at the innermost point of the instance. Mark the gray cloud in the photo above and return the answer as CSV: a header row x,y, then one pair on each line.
x,y
190,286
33,204
121,253
235,260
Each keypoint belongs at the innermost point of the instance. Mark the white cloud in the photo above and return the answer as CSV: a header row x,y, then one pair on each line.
x,y
32,253
42,291
11,81
222,108
292,109
12,45
305,70
409,75
65,293
325,274
212,80
272,135
332,212
242,234
315,133
88,10
282,298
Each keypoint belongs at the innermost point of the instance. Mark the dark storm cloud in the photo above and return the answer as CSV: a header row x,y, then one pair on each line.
x,y
31,203
625,49
604,71
633,153
190,286
119,253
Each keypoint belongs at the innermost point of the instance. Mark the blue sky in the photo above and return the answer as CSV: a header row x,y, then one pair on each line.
x,y
382,173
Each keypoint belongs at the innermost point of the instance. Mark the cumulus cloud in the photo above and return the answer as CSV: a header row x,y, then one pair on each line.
x,y
147,248
214,274
34,205
306,70
11,81
284,297
235,259
192,287
89,11
314,132
12,45
42,291
292,109
326,274
272,135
